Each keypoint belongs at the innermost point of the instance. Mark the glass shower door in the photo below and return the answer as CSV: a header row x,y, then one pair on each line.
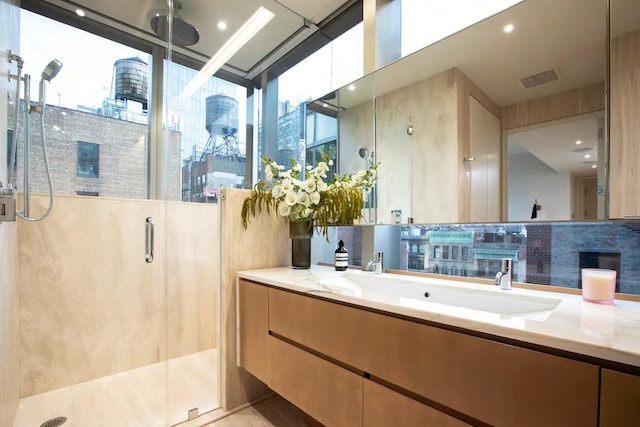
x,y
92,302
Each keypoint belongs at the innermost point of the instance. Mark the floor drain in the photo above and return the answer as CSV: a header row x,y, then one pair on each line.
x,y
54,422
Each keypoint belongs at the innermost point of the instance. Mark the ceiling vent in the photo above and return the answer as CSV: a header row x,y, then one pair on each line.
x,y
540,78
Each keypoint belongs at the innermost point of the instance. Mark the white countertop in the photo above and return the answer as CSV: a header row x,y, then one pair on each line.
x,y
609,332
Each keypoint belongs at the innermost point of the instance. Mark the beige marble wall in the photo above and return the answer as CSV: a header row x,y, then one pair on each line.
x,y
433,106
393,147
90,305
9,33
265,243
193,277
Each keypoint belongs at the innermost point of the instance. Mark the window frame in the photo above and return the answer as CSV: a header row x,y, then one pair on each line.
x,y
83,146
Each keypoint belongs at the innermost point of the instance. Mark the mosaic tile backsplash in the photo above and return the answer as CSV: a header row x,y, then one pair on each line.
x,y
543,253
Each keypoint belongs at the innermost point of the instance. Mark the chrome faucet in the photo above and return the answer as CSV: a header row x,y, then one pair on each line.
x,y
503,278
376,265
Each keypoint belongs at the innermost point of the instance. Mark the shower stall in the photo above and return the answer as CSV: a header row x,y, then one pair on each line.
x,y
110,303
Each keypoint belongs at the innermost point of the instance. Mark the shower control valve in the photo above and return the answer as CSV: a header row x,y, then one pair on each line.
x,y
7,205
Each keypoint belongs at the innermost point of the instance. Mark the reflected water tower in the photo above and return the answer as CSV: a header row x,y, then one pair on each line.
x,y
131,80
222,125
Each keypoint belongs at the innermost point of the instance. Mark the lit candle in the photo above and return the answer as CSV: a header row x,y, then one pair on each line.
x,y
598,285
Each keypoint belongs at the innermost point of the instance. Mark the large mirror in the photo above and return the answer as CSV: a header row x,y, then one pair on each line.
x,y
487,125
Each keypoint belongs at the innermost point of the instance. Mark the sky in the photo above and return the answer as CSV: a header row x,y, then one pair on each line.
x,y
88,60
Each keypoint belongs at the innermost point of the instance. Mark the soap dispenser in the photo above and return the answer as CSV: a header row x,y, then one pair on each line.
x,y
341,258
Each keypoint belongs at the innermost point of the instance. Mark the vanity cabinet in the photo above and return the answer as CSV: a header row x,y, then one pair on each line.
x,y
396,371
620,399
492,382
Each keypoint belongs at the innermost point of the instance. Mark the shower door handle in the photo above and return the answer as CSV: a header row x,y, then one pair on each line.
x,y
148,256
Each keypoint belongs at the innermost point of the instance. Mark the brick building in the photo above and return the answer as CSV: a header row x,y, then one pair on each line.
x,y
91,154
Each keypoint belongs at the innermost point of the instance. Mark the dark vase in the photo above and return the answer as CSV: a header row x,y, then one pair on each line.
x,y
300,233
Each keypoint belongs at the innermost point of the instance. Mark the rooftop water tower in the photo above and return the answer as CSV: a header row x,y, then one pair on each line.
x,y
131,80
222,125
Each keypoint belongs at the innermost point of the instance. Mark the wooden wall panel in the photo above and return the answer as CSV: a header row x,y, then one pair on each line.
x,y
553,107
625,126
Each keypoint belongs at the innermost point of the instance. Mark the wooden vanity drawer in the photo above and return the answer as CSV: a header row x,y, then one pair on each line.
x,y
384,407
493,382
619,399
330,394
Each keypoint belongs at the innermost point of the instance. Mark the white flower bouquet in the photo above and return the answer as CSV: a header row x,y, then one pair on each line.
x,y
310,195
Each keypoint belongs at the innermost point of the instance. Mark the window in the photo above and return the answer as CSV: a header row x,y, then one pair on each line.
x,y
454,252
209,134
88,159
332,66
101,91
445,252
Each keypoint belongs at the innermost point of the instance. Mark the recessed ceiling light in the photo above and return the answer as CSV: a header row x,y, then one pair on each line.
x,y
594,166
64,113
508,28
352,87
578,142
587,156
325,105
56,128
79,12
222,25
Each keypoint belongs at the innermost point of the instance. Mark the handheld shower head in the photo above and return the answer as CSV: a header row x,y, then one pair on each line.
x,y
363,152
51,70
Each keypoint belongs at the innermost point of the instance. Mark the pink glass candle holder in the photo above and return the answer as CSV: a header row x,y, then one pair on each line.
x,y
598,285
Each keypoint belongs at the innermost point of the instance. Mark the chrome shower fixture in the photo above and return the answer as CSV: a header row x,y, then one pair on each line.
x,y
182,33
51,70
363,152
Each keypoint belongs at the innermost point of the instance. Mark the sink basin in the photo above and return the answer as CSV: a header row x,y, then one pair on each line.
x,y
426,294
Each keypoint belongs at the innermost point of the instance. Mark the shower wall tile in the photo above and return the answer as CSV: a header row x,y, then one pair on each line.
x,y
193,277
8,322
90,306
432,105
9,39
265,243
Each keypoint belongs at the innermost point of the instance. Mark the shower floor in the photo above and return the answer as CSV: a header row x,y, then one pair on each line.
x,y
135,398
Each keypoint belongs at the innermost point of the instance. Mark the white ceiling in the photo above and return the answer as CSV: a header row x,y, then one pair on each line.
x,y
568,35
283,32
556,145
